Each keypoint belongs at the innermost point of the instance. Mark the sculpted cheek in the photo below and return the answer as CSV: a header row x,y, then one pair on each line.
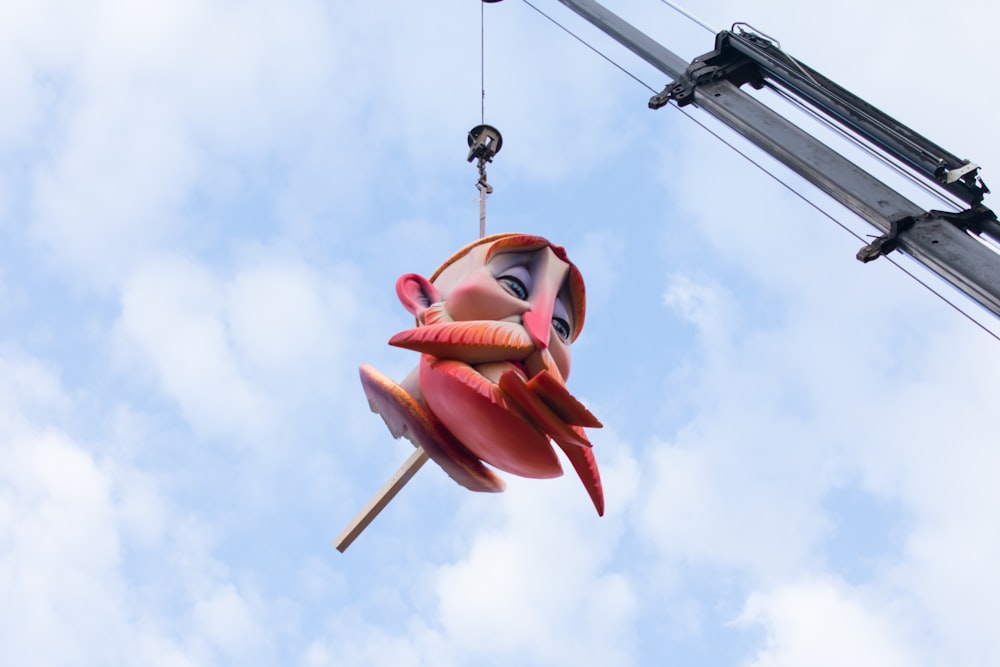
x,y
561,355
482,299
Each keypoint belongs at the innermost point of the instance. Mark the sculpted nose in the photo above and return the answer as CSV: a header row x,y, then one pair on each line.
x,y
550,274
538,321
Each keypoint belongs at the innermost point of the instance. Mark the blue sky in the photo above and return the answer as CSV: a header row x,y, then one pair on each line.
x,y
203,210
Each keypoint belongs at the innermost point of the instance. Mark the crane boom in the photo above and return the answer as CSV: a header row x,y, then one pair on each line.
x,y
948,243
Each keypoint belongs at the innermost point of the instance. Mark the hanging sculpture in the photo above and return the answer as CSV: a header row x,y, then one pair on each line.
x,y
494,328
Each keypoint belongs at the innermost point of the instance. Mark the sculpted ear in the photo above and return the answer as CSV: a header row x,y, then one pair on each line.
x,y
416,293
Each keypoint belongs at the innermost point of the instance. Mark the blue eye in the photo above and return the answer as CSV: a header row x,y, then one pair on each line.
x,y
561,326
514,286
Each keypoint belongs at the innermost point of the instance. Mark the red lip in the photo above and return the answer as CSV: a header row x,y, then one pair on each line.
x,y
484,419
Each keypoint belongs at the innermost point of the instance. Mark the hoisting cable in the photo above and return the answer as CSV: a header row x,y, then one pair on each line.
x,y
764,169
482,63
579,39
484,140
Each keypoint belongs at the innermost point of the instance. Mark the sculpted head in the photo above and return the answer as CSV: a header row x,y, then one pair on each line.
x,y
515,279
494,327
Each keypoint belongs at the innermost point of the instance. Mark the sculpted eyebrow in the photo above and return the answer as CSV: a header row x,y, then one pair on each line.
x,y
516,244
506,260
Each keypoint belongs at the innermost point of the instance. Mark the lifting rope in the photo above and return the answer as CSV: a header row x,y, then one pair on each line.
x,y
484,140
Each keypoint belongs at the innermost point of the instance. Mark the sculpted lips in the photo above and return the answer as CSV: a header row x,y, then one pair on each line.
x,y
484,419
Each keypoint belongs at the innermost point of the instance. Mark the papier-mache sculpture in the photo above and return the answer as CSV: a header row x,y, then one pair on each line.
x,y
494,328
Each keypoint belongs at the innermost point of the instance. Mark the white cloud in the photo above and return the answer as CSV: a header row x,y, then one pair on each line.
x,y
236,352
60,554
708,307
711,502
530,577
154,108
360,645
819,622
539,580
145,149
227,620
172,316
92,553
62,546
837,376
285,317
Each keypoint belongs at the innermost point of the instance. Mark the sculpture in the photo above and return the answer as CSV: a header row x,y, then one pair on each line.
x,y
494,328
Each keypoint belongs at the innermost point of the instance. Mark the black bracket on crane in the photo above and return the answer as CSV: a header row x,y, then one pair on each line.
x,y
975,220
722,63
886,243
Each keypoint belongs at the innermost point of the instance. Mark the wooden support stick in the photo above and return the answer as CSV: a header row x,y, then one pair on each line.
x,y
380,499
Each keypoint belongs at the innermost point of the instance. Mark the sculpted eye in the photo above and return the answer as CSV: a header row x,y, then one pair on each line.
x,y
561,319
514,286
561,326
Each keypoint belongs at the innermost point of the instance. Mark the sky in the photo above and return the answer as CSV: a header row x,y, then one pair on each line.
x,y
204,206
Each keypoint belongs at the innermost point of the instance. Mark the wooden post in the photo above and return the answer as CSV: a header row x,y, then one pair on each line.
x,y
380,499
482,206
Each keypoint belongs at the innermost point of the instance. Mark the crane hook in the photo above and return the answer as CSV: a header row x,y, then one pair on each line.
x,y
484,142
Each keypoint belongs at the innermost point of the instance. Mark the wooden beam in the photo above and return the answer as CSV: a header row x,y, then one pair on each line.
x,y
380,499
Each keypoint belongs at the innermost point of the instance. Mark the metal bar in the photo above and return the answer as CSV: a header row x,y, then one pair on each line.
x,y
958,258
945,249
992,230
630,37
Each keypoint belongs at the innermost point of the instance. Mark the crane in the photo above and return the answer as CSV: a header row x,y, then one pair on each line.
x,y
959,246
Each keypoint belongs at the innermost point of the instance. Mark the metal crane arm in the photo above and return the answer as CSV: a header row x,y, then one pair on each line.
x,y
941,241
